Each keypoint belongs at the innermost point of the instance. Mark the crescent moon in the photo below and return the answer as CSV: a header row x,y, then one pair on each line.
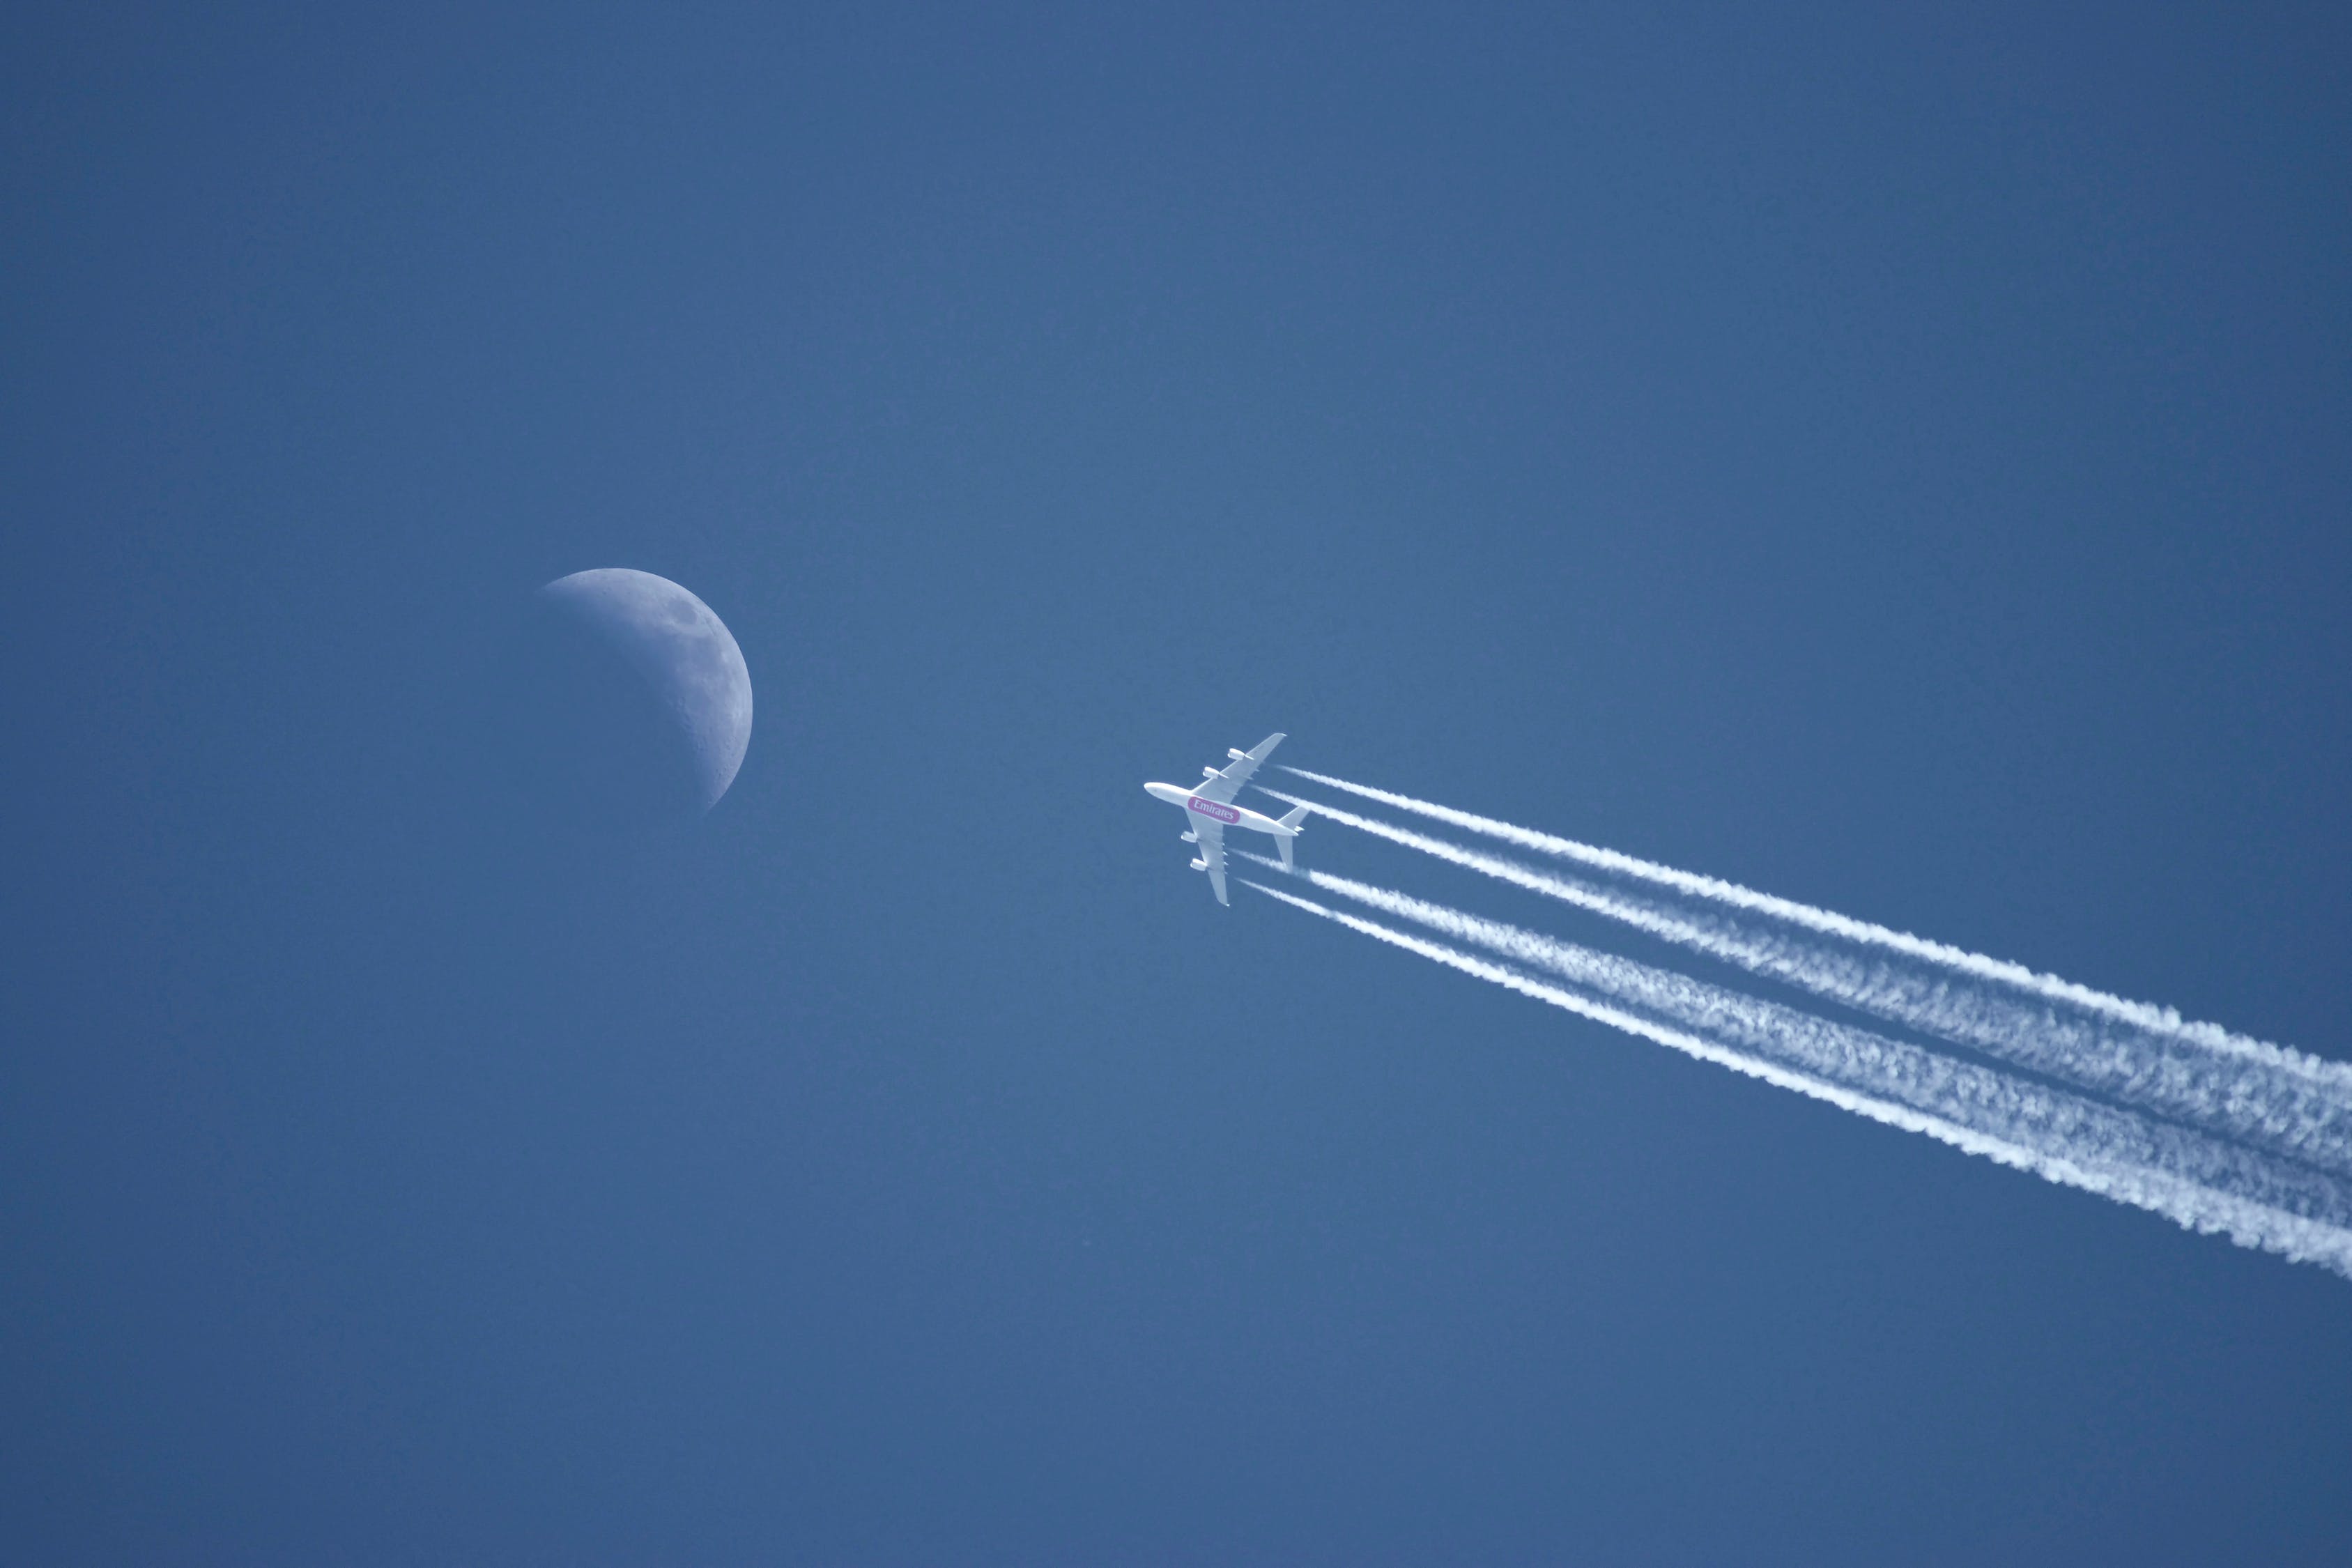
x,y
682,650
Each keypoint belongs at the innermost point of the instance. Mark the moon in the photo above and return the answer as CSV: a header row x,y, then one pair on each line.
x,y
683,659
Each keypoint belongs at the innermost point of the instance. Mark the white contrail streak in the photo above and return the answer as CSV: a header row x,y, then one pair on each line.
x,y
2196,1183
2278,1098
2141,1014
1922,1078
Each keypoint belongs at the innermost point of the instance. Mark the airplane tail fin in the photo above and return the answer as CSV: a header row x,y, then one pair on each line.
x,y
1281,841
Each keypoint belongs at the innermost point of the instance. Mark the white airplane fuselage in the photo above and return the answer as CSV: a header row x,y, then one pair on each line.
x,y
1229,815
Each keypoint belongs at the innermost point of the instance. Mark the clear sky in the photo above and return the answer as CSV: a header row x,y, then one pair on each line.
x,y
1895,459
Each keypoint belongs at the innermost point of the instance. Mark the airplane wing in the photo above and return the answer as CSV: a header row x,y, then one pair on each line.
x,y
1222,787
1212,850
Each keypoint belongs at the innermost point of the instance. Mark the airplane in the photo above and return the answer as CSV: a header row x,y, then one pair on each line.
x,y
1209,810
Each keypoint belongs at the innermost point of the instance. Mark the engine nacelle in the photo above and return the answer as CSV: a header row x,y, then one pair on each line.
x,y
1235,753
1201,865
1208,773
1188,838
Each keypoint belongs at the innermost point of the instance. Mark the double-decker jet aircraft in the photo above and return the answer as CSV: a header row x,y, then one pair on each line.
x,y
1210,810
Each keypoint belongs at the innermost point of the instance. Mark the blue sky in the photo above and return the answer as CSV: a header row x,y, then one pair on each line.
x,y
1894,461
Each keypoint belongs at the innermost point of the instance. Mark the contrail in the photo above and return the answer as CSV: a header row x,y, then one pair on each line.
x,y
2277,1099
1924,1079
2141,1014
2191,1180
